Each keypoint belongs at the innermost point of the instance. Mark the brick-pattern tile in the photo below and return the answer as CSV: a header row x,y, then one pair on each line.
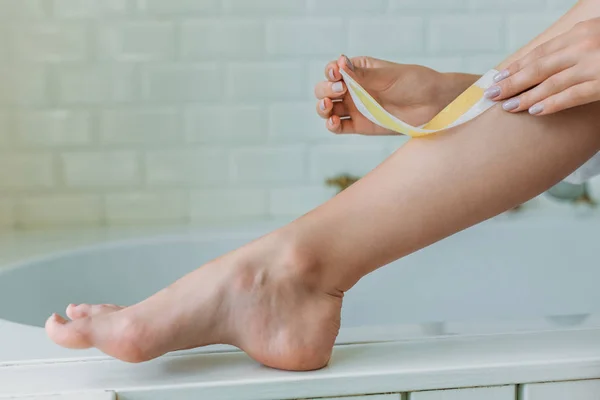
x,y
156,111
269,165
101,169
228,204
144,207
26,171
56,128
147,126
64,210
188,167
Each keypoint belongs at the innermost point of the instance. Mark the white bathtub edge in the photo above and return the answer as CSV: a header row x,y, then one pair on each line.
x,y
425,364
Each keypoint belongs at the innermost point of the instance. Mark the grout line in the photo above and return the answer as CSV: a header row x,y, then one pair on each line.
x,y
520,392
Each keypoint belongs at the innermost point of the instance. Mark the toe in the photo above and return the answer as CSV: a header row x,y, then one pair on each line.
x,y
117,334
75,311
72,335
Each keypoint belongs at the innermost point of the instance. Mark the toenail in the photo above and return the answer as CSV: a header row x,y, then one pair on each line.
x,y
337,87
57,318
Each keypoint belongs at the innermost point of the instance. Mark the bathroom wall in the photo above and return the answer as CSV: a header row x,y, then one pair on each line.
x,y
172,111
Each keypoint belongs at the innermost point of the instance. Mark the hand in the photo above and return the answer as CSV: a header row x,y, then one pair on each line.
x,y
560,74
412,93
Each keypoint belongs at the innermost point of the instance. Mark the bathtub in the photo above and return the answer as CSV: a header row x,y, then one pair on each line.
x,y
488,313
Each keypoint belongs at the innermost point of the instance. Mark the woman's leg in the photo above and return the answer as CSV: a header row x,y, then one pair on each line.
x,y
279,298
434,187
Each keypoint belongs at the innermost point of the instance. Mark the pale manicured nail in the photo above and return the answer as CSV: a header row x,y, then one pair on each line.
x,y
322,105
330,121
511,104
349,63
492,92
536,109
331,74
501,75
337,87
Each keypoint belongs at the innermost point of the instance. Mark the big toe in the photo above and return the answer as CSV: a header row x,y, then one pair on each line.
x,y
117,334
78,311
69,334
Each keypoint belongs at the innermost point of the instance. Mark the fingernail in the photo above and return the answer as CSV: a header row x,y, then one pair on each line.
x,y
331,74
322,105
536,109
349,63
337,87
492,92
331,121
511,104
501,75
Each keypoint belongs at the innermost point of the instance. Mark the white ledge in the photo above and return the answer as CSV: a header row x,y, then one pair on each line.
x,y
414,365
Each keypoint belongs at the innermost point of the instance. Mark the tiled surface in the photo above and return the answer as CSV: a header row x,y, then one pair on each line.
x,y
133,111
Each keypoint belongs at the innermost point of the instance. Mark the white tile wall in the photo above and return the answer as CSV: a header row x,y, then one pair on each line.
x,y
27,171
52,128
89,169
50,210
228,204
156,111
143,207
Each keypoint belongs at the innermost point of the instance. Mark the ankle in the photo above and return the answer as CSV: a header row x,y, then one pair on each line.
x,y
278,258
295,260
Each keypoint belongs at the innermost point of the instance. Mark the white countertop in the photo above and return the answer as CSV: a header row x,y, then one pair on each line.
x,y
417,357
435,363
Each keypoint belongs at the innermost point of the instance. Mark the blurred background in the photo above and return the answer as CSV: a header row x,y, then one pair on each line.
x,y
116,112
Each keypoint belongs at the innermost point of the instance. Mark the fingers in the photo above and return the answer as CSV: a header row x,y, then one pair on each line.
x,y
332,90
331,95
551,86
336,115
326,108
332,72
580,94
535,73
541,51
332,69
338,125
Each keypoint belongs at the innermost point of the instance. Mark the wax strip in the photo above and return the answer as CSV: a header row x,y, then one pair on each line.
x,y
465,107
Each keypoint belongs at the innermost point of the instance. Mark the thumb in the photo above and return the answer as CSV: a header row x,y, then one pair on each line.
x,y
365,70
349,67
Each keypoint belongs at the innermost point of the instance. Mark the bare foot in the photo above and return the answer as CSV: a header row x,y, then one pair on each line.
x,y
272,306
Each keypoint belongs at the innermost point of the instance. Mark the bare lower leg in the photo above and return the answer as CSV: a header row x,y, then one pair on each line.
x,y
279,298
434,187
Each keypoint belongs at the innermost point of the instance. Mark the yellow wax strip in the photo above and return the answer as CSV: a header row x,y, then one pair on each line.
x,y
465,107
